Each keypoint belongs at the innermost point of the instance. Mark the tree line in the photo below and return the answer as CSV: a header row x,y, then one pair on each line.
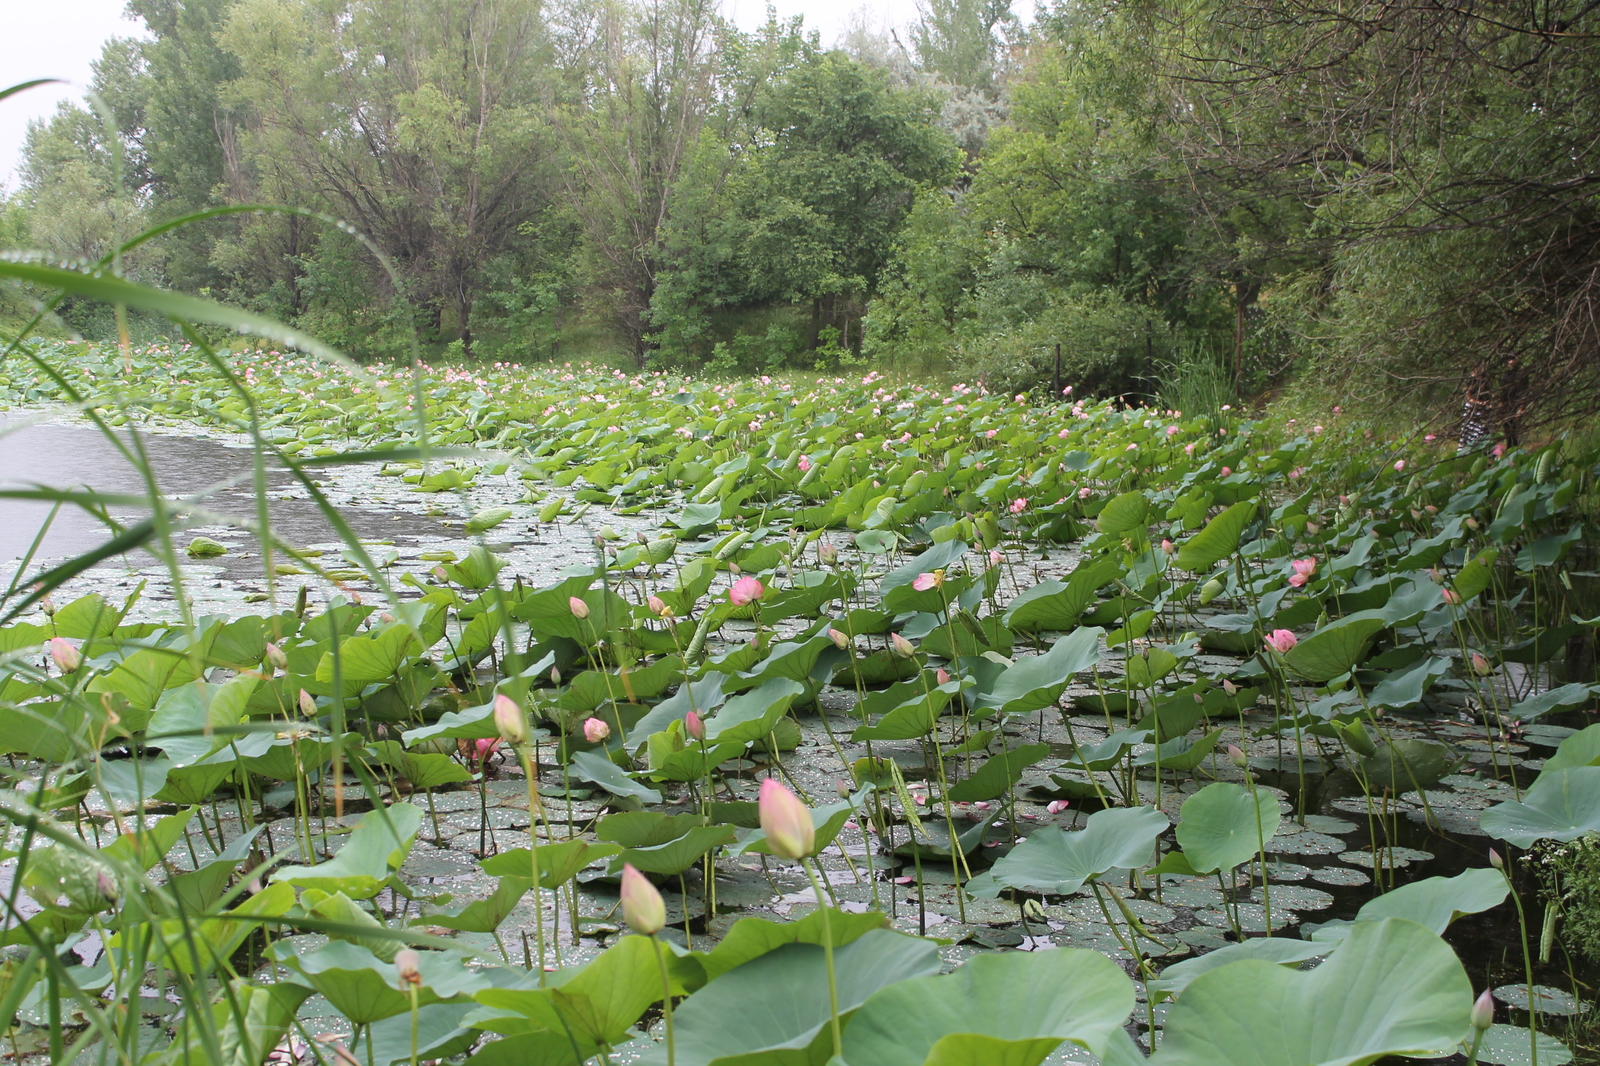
x,y
1400,197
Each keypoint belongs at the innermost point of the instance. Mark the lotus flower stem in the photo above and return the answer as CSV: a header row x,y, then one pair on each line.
x,y
531,772
666,999
1527,966
827,949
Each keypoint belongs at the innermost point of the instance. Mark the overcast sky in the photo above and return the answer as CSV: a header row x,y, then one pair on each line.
x,y
60,38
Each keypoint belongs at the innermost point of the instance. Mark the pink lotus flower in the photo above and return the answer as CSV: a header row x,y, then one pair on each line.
x,y
840,640
924,582
942,676
509,720
1399,465
805,464
1166,546
1226,471
1172,431
746,590
579,609
1303,569
1019,505
1281,640
67,657
995,558
786,821
658,607
1452,597
991,434
1083,493
1064,434
1056,806
642,905
595,730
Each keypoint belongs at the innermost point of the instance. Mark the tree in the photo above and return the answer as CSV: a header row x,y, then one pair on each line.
x,y
423,124
1449,153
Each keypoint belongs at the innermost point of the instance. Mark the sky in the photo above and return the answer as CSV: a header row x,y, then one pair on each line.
x,y
60,38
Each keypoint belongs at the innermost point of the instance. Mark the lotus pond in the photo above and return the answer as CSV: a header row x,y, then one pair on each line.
x,y
1123,733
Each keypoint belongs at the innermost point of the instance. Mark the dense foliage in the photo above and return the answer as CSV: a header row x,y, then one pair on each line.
x,y
1401,197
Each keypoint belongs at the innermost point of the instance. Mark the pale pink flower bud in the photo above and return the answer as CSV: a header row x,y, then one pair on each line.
x,y
67,657
1237,757
1166,546
827,553
1483,1011
642,906
995,558
694,725
942,676
840,640
1229,687
1495,860
276,658
555,676
1281,640
1480,665
308,704
1019,505
902,647
580,610
1227,470
746,590
786,822
48,606
408,962
440,574
1452,597
924,582
595,730
509,720
658,607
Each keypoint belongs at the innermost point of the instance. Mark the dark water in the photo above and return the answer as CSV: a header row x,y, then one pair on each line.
x,y
79,457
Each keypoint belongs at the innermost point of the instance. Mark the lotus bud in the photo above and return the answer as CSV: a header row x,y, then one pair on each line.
x,y
579,609
642,906
555,676
308,704
441,574
1057,806
841,788
1282,640
1166,546
746,590
641,538
1452,597
386,618
924,582
1472,523
658,607
735,569
67,657
840,641
408,962
827,553
276,658
995,558
1483,1011
48,606
1495,860
786,822
1480,665
1230,688
695,726
107,887
1032,910
509,720
942,676
595,730
1210,591
901,646
1438,578
1237,756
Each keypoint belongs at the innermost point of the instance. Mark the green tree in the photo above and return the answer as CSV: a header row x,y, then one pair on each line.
x,y
424,125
